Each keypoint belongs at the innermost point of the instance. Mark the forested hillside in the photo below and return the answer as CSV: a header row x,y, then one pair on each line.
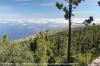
x,y
49,49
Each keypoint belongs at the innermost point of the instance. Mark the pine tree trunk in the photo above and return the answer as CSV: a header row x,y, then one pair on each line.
x,y
69,34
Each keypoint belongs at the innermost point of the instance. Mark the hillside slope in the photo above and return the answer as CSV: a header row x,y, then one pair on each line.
x,y
45,48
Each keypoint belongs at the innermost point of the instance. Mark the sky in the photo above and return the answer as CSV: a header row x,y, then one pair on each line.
x,y
28,9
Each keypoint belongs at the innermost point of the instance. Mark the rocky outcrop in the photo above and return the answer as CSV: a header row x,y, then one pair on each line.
x,y
95,62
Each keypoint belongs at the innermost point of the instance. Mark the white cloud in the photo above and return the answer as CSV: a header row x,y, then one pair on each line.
x,y
35,20
46,20
3,7
43,4
19,19
84,12
91,0
46,4
23,0
42,20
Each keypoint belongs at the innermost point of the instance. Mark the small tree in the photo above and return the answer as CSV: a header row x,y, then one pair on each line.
x,y
99,3
88,21
68,15
6,40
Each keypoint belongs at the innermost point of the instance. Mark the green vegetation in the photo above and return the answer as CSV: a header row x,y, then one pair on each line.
x,y
68,13
53,48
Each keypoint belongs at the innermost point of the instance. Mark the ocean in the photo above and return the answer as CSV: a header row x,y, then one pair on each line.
x,y
16,30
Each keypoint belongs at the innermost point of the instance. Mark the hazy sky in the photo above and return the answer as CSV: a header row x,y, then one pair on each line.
x,y
44,9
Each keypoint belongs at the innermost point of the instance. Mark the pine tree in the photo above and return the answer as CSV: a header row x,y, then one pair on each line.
x,y
68,15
